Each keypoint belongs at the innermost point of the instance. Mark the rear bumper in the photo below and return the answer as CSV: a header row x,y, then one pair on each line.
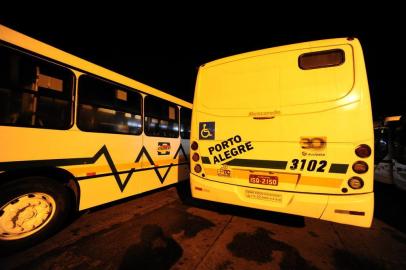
x,y
355,210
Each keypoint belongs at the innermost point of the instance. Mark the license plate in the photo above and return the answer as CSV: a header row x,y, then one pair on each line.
x,y
270,180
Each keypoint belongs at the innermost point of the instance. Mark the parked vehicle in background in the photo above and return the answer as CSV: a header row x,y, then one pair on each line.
x,y
390,151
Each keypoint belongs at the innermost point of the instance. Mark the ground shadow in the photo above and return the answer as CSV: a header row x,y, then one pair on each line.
x,y
390,206
154,251
251,213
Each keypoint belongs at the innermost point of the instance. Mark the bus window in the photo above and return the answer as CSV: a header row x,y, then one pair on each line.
x,y
105,107
33,92
161,118
321,59
185,118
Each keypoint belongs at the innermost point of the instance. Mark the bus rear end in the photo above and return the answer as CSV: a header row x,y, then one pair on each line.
x,y
287,129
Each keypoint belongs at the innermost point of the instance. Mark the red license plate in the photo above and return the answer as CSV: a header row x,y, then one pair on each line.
x,y
270,180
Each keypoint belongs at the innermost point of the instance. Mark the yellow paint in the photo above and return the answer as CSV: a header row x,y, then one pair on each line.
x,y
315,118
320,181
35,144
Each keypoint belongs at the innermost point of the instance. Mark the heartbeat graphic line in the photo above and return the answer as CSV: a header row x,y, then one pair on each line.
x,y
4,166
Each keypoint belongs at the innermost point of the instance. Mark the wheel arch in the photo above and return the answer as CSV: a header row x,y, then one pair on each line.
x,y
59,175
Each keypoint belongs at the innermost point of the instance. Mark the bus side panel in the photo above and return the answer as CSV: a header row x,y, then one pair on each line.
x,y
157,150
91,155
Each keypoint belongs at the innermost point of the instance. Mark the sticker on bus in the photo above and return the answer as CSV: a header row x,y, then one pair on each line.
x,y
164,148
206,130
261,195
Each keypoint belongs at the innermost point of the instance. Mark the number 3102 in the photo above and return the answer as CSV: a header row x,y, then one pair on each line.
x,y
311,165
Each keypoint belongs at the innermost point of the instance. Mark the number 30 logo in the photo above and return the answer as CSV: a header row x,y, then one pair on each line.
x,y
316,143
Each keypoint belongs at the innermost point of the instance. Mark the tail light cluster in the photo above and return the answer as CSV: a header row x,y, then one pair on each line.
x,y
359,166
195,157
194,146
363,151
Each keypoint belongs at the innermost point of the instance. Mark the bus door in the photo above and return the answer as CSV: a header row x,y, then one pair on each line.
x,y
161,140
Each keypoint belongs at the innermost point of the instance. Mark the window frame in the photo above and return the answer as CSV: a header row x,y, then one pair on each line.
x,y
317,53
119,87
170,103
51,62
180,122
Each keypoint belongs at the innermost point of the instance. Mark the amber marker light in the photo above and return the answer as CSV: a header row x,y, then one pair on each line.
x,y
360,167
355,182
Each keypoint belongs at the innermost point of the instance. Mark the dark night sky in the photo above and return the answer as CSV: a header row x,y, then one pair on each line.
x,y
164,50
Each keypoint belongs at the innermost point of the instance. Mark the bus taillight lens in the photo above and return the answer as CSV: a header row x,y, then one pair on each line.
x,y
363,151
198,168
355,182
360,167
195,157
194,146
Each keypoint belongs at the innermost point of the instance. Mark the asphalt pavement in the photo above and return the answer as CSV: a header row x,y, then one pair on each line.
x,y
160,231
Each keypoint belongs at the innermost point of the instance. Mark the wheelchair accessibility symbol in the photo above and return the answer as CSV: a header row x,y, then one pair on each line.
x,y
206,130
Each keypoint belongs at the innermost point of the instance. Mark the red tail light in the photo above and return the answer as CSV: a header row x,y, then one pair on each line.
x,y
198,168
363,151
194,146
195,157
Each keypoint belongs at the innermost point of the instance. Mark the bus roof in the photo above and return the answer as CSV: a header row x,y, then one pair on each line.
x,y
20,40
284,48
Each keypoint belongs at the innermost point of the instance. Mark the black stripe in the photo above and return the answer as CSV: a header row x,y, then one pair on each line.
x,y
349,212
357,213
80,161
132,170
270,164
206,160
338,168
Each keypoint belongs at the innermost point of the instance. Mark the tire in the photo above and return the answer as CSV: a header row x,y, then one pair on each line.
x,y
31,209
184,192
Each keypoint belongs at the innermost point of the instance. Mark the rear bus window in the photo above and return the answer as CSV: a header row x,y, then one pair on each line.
x,y
34,92
321,59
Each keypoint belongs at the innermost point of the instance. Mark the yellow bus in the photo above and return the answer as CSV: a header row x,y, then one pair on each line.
x,y
287,129
74,135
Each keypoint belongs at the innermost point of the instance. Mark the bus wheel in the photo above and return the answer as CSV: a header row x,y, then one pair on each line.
x,y
31,209
183,190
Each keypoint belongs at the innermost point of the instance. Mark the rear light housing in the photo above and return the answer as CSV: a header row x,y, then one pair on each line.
x,y
363,151
355,182
360,167
197,168
195,157
194,145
